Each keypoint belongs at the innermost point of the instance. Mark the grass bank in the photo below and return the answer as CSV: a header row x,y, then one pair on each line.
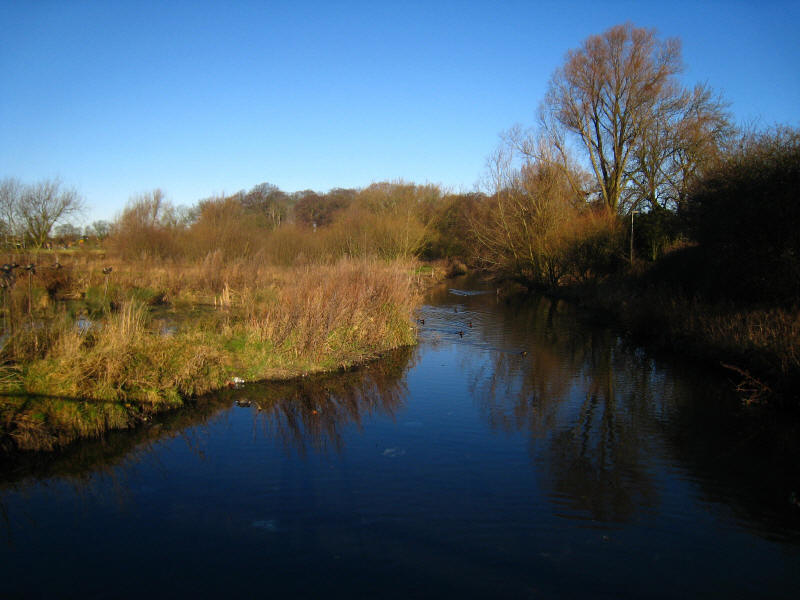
x,y
141,339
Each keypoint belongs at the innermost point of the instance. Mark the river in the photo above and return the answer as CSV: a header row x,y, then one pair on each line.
x,y
518,451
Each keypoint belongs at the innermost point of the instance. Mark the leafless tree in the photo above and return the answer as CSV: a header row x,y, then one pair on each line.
x,y
99,229
685,134
148,209
66,232
524,229
10,193
42,205
605,96
269,202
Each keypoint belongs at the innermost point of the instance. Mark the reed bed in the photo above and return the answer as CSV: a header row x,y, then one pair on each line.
x,y
249,321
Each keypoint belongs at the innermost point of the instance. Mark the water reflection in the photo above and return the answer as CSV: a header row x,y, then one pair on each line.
x,y
588,431
603,416
307,413
311,414
529,453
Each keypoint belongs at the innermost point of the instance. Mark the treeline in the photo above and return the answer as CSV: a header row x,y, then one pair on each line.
x,y
727,231
388,220
625,168
640,197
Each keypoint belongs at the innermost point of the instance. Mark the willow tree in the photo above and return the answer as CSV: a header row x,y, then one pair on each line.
x,y
605,96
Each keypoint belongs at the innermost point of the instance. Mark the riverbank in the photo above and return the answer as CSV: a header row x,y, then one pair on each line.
x,y
757,345
140,341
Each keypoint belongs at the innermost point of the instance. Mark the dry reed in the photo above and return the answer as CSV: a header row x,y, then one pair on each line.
x,y
269,322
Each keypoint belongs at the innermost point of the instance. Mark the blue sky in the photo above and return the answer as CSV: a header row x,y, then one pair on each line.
x,y
117,98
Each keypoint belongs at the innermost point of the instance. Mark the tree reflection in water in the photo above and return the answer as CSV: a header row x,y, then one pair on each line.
x,y
311,413
603,417
590,436
303,413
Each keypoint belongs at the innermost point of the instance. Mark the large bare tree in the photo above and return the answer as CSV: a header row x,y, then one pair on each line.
x,y
605,95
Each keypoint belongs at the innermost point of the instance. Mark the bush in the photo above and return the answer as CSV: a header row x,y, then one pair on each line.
x,y
596,246
745,215
654,232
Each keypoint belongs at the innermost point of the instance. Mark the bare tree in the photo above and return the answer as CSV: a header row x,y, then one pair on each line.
x,y
685,135
42,205
66,232
269,202
148,209
148,226
527,220
605,95
10,193
99,229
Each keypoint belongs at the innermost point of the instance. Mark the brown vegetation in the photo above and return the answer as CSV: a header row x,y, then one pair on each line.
x,y
259,321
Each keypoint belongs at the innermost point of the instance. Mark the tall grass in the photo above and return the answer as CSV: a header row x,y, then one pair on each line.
x,y
258,322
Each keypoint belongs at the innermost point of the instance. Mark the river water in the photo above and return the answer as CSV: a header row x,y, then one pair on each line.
x,y
518,451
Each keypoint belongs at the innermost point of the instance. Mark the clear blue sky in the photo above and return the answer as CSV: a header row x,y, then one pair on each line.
x,y
117,98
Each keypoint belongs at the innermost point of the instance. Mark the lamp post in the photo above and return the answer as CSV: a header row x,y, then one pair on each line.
x,y
633,212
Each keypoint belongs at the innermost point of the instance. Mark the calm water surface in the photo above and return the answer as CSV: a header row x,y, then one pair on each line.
x,y
536,455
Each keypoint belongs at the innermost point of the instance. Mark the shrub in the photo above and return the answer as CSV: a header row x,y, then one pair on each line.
x,y
745,215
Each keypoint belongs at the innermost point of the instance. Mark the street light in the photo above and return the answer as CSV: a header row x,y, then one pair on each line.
x,y
633,212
